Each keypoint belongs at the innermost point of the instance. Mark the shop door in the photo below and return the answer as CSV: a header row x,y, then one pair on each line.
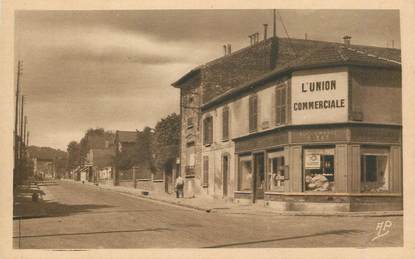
x,y
259,176
225,169
276,171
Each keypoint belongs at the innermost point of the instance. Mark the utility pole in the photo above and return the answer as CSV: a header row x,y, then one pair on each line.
x,y
24,131
21,158
16,120
21,128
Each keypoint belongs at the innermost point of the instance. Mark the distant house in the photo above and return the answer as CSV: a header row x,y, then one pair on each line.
x,y
123,141
98,159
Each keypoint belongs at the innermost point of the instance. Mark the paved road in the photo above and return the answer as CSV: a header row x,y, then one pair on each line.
x,y
84,216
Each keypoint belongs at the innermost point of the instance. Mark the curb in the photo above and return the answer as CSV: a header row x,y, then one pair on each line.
x,y
236,210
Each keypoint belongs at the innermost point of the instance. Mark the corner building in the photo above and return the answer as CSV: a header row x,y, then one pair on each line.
x,y
296,125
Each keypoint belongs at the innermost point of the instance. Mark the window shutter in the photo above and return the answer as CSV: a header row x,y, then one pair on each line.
x,y
210,130
281,105
253,113
205,171
225,123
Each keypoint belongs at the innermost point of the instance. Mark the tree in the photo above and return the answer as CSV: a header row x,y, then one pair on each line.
x,y
167,141
74,155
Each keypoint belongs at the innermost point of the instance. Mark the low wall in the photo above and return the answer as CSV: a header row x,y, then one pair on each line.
x,y
341,202
126,183
334,201
144,184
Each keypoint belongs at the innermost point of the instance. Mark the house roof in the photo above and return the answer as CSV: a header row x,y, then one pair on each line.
x,y
318,54
126,136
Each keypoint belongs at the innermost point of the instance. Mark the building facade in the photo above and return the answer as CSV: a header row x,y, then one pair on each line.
x,y
318,127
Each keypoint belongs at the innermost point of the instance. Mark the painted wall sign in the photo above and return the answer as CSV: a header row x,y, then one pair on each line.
x,y
319,97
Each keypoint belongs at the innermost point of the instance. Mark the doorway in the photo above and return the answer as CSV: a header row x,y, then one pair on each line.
x,y
168,181
259,177
225,174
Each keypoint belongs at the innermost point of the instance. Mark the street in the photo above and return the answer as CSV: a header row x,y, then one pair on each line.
x,y
86,217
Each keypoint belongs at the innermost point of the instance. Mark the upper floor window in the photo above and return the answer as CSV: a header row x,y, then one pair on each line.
x,y
225,123
253,113
208,131
281,105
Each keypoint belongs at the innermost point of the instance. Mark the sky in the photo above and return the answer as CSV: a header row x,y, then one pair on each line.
x,y
114,69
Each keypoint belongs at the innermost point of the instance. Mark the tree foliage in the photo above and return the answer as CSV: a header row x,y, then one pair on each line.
x,y
74,155
167,140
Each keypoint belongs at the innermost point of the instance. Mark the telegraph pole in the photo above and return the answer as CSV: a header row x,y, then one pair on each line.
x,y
21,143
16,120
24,130
21,128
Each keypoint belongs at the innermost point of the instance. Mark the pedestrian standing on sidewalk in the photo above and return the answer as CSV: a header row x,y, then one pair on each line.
x,y
179,186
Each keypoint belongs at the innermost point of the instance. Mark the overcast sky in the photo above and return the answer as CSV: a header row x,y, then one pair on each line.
x,y
113,69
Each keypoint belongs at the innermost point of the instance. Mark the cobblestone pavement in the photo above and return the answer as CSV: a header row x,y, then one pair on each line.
x,y
83,216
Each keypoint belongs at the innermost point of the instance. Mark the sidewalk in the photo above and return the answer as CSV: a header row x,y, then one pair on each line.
x,y
212,205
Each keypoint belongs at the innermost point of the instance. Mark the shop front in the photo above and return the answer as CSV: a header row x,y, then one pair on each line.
x,y
321,168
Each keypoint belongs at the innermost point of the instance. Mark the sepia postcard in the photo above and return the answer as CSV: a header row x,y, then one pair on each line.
x,y
147,130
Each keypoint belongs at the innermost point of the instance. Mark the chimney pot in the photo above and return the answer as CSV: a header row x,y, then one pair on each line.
x,y
346,40
224,50
229,49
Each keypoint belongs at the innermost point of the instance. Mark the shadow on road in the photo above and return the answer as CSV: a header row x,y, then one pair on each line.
x,y
25,208
98,232
334,232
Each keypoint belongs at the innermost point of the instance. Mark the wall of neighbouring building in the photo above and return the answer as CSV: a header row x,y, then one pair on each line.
x,y
190,150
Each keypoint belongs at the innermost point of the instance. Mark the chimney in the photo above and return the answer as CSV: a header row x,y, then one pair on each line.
x,y
224,50
229,49
250,38
257,37
265,31
346,40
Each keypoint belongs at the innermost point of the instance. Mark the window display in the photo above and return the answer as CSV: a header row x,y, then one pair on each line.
x,y
319,169
374,173
245,174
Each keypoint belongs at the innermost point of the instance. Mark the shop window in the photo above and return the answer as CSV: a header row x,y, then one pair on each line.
x,y
245,174
281,105
277,173
319,170
208,130
225,123
253,113
374,173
